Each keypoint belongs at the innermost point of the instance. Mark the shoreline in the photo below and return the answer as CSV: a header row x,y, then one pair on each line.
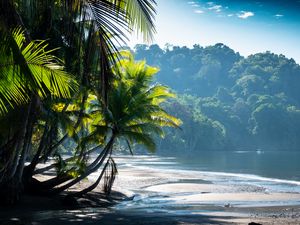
x,y
108,215
186,192
148,195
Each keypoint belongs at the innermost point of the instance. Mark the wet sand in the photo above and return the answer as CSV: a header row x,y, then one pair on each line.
x,y
49,211
151,196
190,195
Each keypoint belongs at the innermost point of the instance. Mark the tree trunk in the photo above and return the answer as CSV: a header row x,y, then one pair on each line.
x,y
93,186
106,150
29,170
47,168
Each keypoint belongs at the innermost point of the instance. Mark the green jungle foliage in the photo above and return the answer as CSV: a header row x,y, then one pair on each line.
x,y
66,87
226,101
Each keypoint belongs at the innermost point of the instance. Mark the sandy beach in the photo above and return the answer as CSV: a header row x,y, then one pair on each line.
x,y
148,195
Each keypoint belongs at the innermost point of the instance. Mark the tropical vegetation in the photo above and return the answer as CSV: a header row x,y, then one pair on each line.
x,y
65,87
226,101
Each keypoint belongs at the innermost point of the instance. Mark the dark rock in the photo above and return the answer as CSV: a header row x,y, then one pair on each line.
x,y
70,201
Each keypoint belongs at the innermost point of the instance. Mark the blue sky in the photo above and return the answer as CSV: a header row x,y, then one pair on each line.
x,y
246,26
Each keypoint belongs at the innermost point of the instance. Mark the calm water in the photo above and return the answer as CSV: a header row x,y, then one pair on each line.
x,y
258,172
280,164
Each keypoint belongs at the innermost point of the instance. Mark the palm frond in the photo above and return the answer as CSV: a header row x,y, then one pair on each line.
x,y
31,68
142,16
141,138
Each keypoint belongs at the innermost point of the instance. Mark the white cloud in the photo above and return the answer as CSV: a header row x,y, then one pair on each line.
x,y
195,5
278,15
230,15
198,11
245,15
217,8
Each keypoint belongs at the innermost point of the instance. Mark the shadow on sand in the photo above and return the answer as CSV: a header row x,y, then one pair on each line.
x,y
107,217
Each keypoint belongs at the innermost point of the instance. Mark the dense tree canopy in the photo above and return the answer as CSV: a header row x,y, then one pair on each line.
x,y
226,101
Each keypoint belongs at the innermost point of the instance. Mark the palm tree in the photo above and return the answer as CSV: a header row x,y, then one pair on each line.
x,y
25,71
87,33
134,114
89,29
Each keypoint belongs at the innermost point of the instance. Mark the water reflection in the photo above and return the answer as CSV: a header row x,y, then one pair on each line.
x,y
273,164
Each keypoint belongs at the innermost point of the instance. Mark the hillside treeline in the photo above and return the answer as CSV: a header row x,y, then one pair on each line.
x,y
226,101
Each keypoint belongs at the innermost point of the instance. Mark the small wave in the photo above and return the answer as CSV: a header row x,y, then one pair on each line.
x,y
215,175
241,152
255,177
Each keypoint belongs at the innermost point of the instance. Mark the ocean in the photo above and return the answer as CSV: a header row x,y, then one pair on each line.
x,y
214,178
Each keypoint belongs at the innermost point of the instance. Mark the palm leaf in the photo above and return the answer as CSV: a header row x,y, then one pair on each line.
x,y
140,138
31,68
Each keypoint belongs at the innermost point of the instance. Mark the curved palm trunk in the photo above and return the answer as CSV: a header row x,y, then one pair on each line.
x,y
106,152
107,183
29,170
52,166
51,183
94,185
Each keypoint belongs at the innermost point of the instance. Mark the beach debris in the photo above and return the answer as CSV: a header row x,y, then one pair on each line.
x,y
130,198
228,205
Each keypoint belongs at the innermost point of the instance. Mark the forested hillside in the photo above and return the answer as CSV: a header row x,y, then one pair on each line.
x,y
226,101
